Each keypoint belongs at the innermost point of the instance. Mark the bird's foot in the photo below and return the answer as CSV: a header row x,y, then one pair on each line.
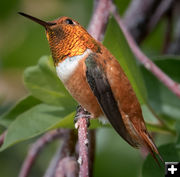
x,y
82,113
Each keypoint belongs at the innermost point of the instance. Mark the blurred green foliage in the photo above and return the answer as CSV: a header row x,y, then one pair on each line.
x,y
49,106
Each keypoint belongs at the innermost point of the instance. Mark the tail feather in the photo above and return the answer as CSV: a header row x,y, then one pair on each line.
x,y
152,147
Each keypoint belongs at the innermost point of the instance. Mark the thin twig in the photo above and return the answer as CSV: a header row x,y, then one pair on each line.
x,y
67,165
82,117
166,80
95,4
50,172
35,149
83,148
64,150
68,147
99,19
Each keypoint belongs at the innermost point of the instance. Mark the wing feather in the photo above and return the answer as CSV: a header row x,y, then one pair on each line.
x,y
100,86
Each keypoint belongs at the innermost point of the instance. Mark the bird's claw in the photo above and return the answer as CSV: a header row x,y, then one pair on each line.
x,y
82,113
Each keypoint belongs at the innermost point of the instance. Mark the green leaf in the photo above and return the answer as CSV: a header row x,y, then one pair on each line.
x,y
43,83
116,43
35,121
38,120
20,107
162,100
169,152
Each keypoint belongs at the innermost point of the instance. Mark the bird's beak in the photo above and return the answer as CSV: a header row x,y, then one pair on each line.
x,y
43,23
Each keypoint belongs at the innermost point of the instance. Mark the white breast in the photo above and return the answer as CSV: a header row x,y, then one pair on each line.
x,y
66,68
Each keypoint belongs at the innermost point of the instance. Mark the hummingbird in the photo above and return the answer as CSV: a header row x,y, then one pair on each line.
x,y
95,79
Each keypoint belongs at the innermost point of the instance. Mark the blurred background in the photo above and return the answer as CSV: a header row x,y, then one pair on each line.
x,y
22,43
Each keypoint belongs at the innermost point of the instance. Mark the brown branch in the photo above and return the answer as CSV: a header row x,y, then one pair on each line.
x,y
83,148
50,172
67,164
95,4
99,19
82,125
91,150
2,137
166,80
35,149
66,149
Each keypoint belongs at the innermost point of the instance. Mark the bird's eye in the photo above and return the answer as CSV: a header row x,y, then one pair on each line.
x,y
69,21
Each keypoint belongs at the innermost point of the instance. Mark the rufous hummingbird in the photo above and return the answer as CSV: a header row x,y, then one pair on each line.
x,y
95,79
